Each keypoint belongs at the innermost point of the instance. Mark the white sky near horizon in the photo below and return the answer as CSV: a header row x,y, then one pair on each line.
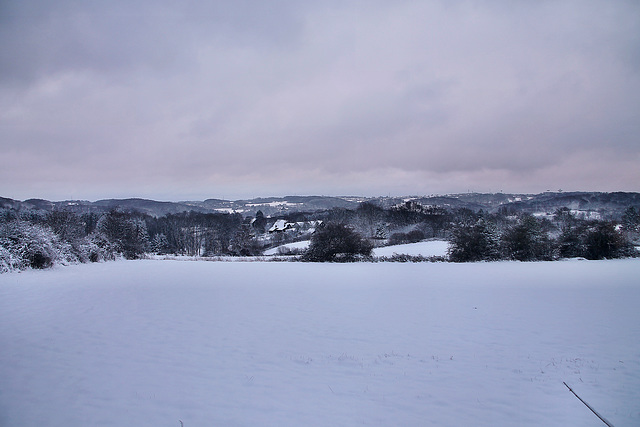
x,y
193,100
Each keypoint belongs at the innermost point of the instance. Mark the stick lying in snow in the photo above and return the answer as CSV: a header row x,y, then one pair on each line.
x,y
587,405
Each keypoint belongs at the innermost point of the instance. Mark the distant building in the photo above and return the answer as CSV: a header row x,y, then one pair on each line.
x,y
281,225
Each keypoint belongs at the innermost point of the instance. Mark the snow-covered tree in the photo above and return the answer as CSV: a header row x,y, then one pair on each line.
x,y
474,242
527,241
160,244
128,233
244,243
370,219
28,245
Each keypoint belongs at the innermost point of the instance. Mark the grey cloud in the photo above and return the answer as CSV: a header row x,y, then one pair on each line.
x,y
196,96
41,38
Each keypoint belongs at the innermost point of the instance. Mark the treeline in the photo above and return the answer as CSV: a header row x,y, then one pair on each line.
x,y
40,239
524,237
482,236
403,223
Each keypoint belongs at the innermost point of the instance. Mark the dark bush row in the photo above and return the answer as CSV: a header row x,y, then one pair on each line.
x,y
532,239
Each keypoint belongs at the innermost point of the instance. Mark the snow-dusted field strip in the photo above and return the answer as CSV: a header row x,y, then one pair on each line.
x,y
148,343
295,245
427,249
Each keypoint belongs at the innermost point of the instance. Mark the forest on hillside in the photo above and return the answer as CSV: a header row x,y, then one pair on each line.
x,y
32,238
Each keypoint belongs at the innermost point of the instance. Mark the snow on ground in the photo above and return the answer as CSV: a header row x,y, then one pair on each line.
x,y
427,249
149,343
295,245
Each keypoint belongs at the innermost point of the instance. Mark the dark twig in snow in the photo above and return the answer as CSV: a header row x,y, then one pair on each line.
x,y
587,405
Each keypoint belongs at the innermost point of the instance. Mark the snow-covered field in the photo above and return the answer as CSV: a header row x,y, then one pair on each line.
x,y
153,343
288,246
427,248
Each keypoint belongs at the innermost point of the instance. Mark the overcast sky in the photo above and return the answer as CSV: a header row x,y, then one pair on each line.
x,y
178,100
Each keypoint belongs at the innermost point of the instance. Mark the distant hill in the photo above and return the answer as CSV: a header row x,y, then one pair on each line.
x,y
606,205
269,206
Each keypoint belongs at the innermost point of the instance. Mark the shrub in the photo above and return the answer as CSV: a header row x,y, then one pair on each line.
x,y
604,241
99,248
7,260
414,236
410,258
474,242
594,240
336,242
28,245
571,242
285,251
527,241
398,238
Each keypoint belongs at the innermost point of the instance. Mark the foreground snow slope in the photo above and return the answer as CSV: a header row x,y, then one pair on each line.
x,y
148,343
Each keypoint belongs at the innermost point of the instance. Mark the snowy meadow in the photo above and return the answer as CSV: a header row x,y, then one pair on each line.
x,y
165,343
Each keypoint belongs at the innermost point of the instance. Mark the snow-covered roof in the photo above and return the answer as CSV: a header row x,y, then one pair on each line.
x,y
281,225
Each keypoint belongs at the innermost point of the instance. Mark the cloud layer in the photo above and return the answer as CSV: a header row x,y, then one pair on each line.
x,y
178,100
